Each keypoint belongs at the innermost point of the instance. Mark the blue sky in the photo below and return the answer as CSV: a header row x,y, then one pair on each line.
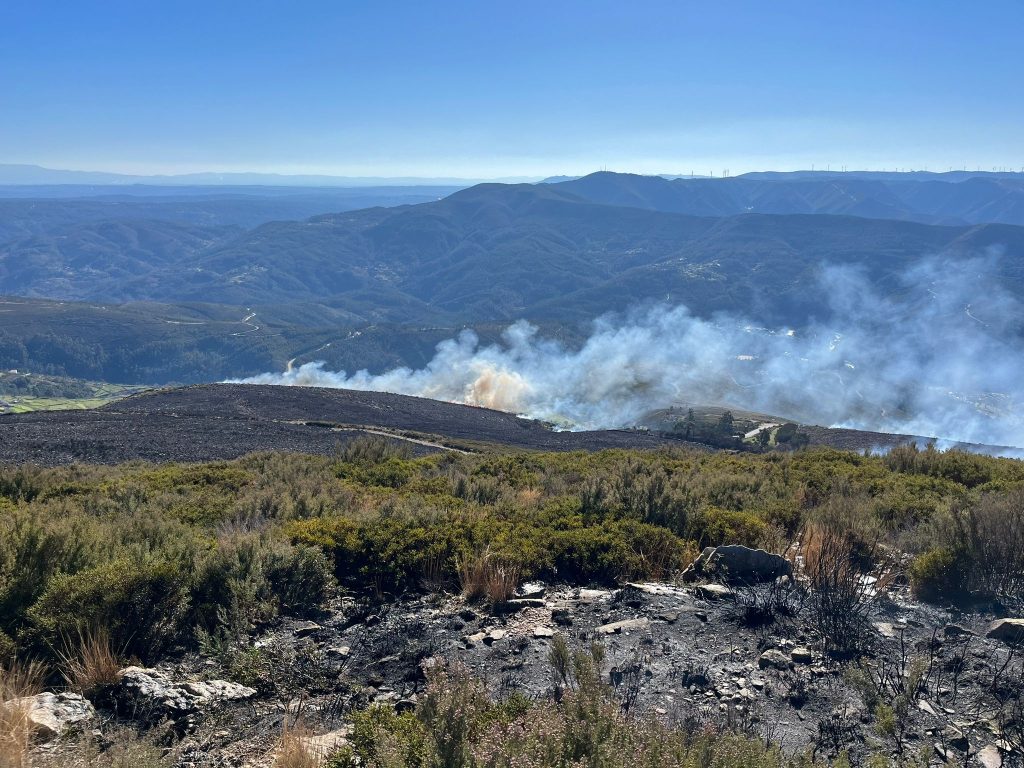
x,y
486,89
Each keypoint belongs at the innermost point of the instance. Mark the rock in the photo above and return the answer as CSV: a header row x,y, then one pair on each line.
x,y
306,628
477,637
531,590
775,659
1009,631
593,595
925,706
955,630
956,738
543,632
990,757
670,617
142,688
802,655
701,615
715,592
55,714
340,651
736,563
518,604
494,635
616,627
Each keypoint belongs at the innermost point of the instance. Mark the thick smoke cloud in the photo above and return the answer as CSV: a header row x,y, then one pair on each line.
x,y
938,354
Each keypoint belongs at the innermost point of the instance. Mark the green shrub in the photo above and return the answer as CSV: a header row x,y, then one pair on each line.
x,y
141,604
936,575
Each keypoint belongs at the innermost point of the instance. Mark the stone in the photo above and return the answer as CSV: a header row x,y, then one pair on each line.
x,y
518,604
925,706
340,651
670,617
956,738
1009,631
775,659
144,687
531,590
801,655
306,628
477,637
494,635
990,757
616,627
715,592
55,714
594,595
955,630
543,632
736,563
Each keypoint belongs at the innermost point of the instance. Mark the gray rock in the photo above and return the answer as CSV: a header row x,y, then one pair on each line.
x,y
306,628
1007,630
55,714
150,688
531,590
543,632
715,592
802,655
775,659
956,738
736,563
518,604
616,627
955,630
990,757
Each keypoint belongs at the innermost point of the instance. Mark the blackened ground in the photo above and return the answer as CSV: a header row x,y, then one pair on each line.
x,y
224,421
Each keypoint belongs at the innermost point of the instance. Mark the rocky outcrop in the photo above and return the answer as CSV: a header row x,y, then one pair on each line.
x,y
149,689
56,714
1008,630
734,563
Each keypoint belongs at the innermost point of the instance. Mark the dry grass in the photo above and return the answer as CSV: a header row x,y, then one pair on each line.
x,y
484,576
90,665
17,681
293,751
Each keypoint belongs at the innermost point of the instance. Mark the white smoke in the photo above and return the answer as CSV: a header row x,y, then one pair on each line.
x,y
938,354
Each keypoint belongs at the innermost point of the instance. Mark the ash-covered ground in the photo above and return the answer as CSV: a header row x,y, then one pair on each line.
x,y
225,421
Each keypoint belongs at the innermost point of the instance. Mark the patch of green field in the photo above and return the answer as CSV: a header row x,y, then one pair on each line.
x,y
26,393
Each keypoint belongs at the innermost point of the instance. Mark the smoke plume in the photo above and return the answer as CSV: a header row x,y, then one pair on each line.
x,y
939,354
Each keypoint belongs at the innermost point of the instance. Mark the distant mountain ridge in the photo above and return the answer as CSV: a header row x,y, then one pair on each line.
x,y
950,198
557,252
23,174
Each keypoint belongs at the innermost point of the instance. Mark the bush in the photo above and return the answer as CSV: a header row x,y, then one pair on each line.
x,y
936,574
140,603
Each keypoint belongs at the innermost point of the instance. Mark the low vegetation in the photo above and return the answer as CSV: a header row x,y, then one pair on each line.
x,y
164,555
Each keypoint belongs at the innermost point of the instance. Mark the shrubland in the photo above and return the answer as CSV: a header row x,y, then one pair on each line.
x,y
167,556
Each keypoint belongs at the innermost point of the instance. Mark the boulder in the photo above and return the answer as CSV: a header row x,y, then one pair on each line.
x,y
543,632
735,563
775,659
1008,630
715,592
55,714
616,627
802,655
143,688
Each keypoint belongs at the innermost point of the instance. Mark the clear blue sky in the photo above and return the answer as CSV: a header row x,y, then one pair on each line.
x,y
484,89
